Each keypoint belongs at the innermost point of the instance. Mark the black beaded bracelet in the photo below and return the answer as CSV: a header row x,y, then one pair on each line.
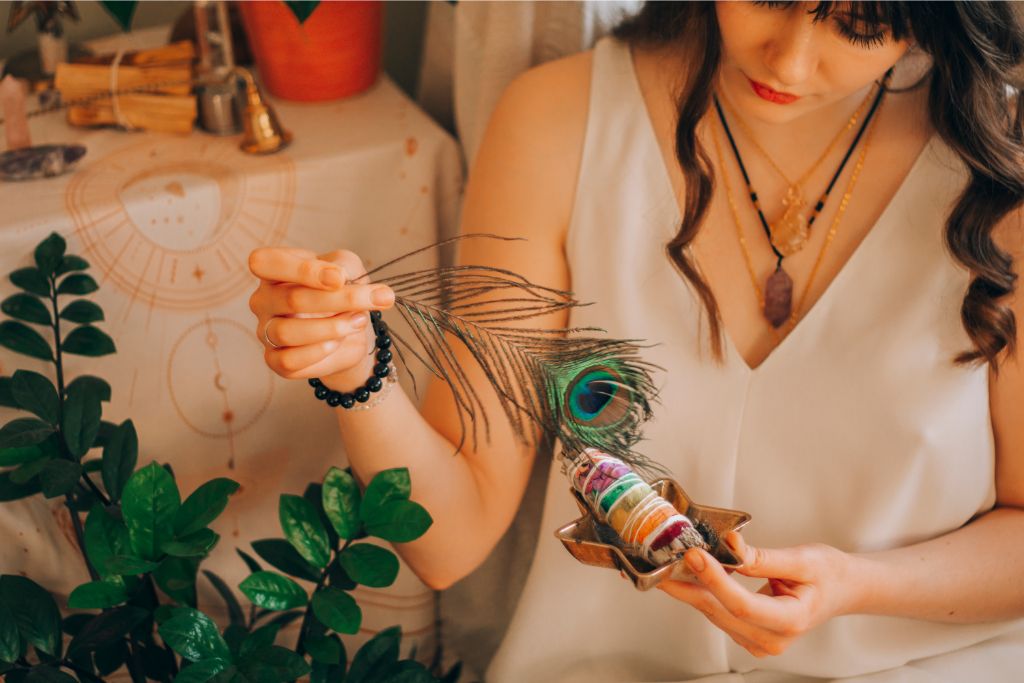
x,y
384,369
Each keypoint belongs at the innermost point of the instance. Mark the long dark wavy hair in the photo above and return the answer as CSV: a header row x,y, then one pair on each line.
x,y
976,49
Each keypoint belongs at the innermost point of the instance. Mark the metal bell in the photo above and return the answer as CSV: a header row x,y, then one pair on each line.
x,y
263,133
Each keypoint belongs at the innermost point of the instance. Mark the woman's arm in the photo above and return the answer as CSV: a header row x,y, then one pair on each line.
x,y
972,574
522,185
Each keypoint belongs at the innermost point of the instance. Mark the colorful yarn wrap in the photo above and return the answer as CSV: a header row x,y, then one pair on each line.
x,y
649,526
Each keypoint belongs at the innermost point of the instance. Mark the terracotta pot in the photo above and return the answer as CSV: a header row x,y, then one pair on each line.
x,y
334,53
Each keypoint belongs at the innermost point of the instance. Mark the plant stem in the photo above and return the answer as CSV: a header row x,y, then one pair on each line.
x,y
300,647
76,522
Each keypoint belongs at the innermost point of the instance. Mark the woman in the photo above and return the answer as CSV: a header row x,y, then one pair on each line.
x,y
848,379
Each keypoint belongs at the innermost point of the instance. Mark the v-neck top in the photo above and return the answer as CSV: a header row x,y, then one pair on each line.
x,y
858,431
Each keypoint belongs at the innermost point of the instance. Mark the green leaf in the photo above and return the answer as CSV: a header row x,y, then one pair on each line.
x,y
120,454
50,253
97,595
81,423
304,530
111,657
341,502
78,283
105,628
20,455
375,657
251,563
6,394
96,386
31,280
325,649
126,565
81,311
88,341
10,640
27,308
36,394
12,490
193,635
337,610
398,521
203,671
386,486
261,638
273,591
314,493
203,506
35,612
339,577
71,263
45,673
59,477
25,431
121,10
273,665
370,565
302,8
280,554
197,544
407,671
29,471
149,503
105,537
235,613
176,577
22,339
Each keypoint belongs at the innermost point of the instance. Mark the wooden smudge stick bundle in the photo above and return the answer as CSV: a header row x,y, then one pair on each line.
x,y
147,89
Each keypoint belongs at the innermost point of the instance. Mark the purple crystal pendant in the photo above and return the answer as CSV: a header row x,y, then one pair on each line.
x,y
778,297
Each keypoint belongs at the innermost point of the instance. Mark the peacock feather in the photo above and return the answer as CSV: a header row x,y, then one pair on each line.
x,y
570,385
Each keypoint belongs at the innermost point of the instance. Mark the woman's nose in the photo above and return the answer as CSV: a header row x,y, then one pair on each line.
x,y
792,54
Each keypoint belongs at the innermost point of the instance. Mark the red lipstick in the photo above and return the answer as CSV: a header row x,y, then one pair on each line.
x,y
766,93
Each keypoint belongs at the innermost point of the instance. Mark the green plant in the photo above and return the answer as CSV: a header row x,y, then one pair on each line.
x,y
143,544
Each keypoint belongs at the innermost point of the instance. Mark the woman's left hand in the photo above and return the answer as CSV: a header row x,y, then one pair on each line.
x,y
807,585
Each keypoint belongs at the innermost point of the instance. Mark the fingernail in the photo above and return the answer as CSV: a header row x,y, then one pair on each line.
x,y
330,277
359,320
695,560
734,546
382,296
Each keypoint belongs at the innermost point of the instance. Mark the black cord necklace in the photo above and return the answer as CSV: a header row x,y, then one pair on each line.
x,y
779,287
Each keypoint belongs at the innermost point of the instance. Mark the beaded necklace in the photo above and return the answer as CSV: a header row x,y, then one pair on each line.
x,y
777,299
791,231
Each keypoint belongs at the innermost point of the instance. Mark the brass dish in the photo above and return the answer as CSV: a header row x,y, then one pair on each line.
x,y
594,543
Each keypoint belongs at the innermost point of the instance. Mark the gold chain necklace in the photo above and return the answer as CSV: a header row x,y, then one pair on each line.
x,y
791,231
833,228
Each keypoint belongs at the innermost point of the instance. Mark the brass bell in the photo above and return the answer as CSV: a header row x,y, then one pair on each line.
x,y
263,133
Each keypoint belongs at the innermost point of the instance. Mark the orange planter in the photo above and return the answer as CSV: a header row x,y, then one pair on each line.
x,y
334,53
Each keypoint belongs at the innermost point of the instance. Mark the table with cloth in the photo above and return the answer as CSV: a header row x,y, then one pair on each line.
x,y
167,224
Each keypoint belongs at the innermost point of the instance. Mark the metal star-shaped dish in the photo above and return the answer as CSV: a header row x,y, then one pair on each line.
x,y
594,543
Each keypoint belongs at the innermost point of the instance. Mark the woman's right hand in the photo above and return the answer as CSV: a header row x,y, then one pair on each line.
x,y
312,314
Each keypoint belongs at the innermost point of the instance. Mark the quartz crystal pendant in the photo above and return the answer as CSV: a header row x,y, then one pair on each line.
x,y
789,233
778,297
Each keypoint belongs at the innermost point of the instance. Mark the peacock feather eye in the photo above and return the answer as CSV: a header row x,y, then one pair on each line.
x,y
597,398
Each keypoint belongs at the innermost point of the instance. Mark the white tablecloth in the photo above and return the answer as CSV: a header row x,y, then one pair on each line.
x,y
168,223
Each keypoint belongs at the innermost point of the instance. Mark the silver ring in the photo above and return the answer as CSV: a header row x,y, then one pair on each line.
x,y
266,338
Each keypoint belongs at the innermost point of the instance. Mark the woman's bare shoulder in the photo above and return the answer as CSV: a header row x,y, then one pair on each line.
x,y
533,144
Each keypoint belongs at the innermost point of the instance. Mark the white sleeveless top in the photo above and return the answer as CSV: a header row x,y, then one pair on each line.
x,y
858,431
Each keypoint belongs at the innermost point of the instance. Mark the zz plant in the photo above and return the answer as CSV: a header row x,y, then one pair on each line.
x,y
142,544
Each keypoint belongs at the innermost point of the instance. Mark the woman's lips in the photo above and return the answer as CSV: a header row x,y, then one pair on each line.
x,y
766,93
